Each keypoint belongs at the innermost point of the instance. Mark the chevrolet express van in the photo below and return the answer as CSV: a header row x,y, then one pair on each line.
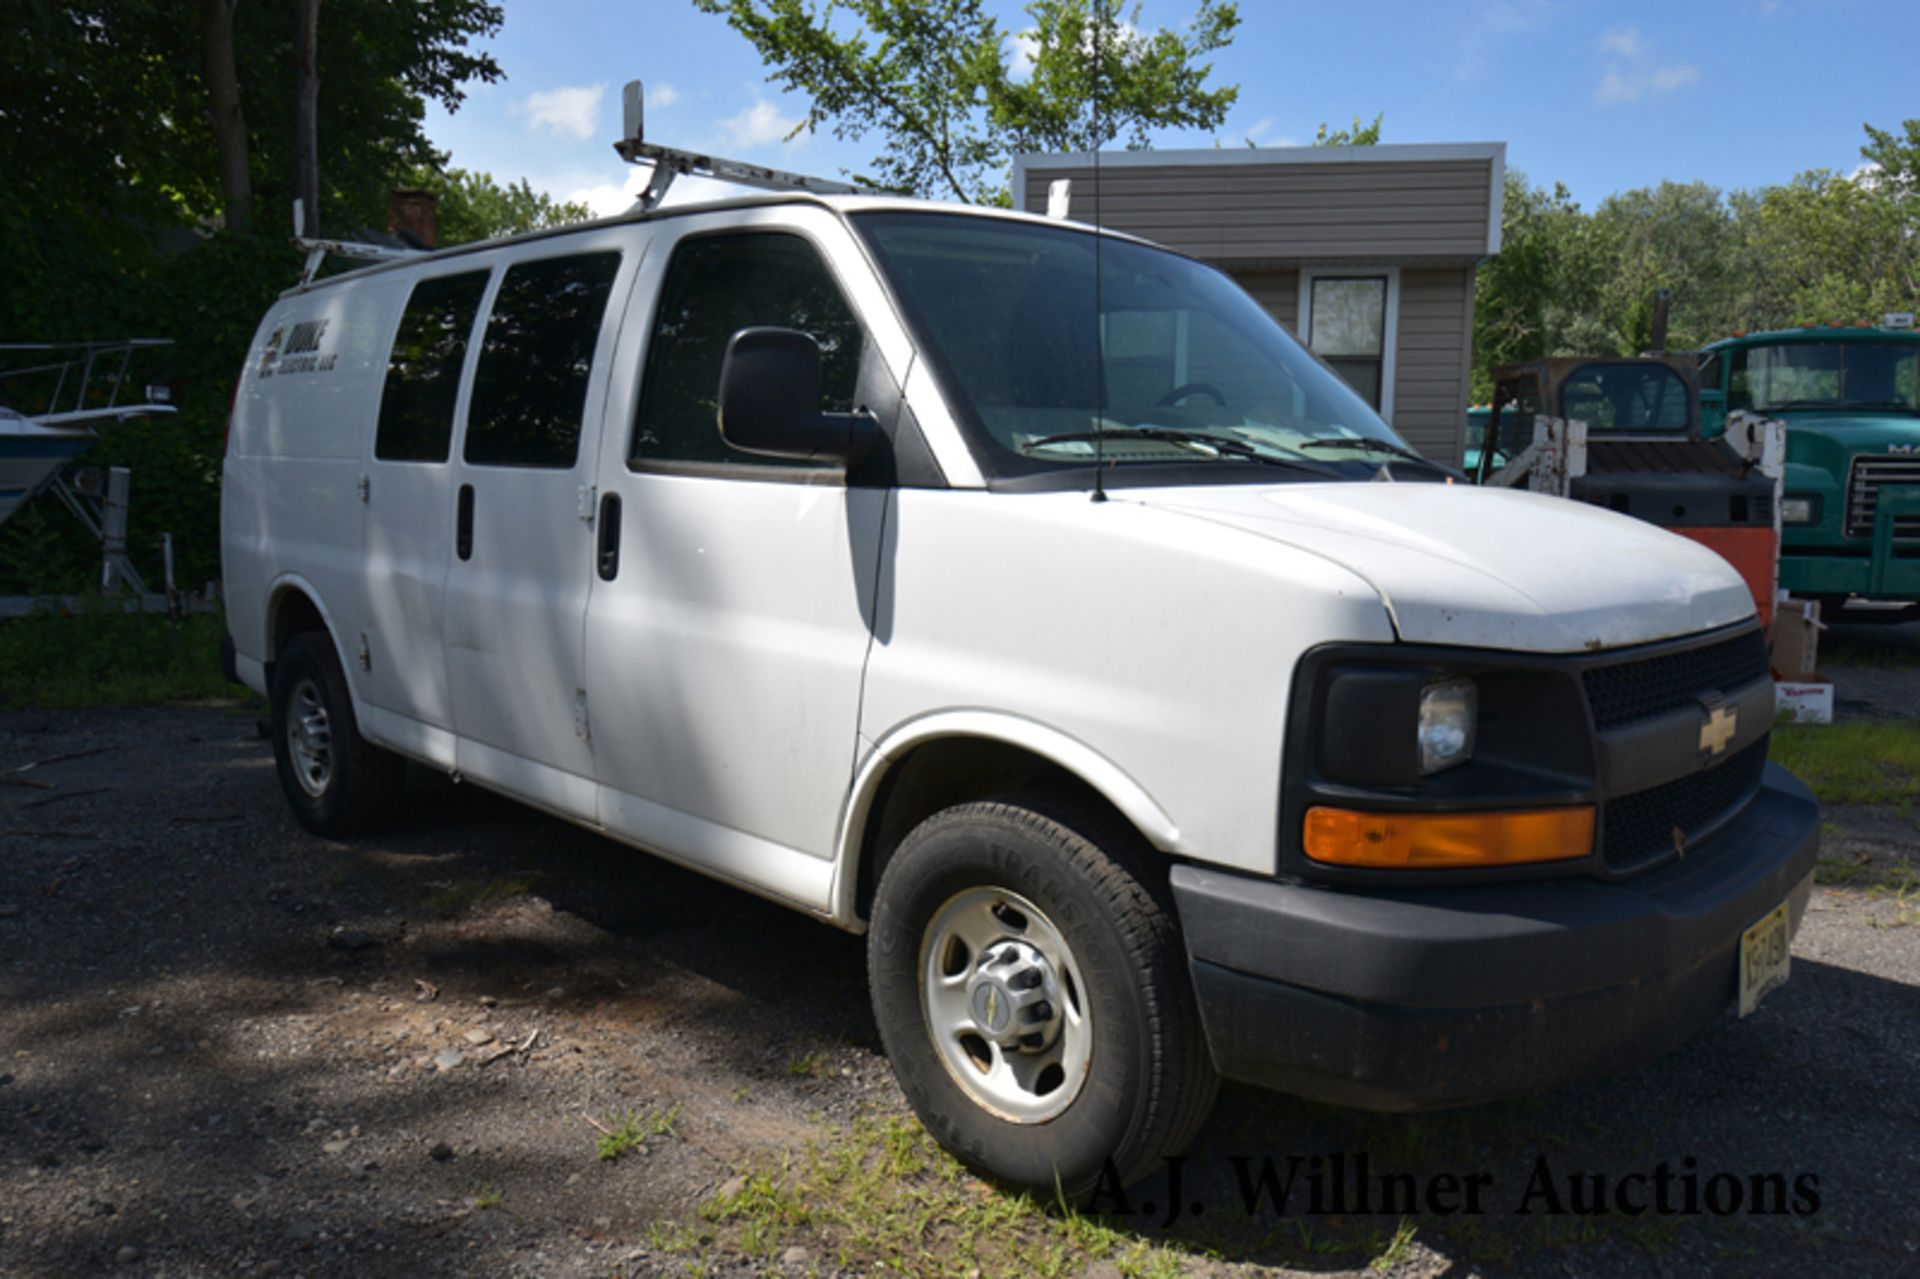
x,y
1026,598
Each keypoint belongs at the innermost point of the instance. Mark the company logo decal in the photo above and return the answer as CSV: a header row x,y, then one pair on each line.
x,y
295,348
1718,730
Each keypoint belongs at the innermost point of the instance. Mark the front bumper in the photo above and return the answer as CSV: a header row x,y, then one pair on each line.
x,y
1445,997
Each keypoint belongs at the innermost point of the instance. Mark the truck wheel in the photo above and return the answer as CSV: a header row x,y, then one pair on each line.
x,y
336,781
1033,996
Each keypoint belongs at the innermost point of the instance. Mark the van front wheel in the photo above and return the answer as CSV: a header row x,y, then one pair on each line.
x,y
1033,996
336,782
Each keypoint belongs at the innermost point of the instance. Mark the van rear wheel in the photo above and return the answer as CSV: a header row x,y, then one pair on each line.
x,y
336,782
1033,996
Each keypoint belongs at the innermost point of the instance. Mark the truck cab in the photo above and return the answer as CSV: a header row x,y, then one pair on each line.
x,y
1850,517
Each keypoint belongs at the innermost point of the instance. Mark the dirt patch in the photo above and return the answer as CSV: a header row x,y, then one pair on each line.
x,y
227,1047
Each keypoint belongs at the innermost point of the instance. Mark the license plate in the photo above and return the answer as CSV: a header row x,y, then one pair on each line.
x,y
1764,958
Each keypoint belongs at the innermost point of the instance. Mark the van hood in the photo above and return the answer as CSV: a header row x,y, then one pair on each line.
x,y
1489,568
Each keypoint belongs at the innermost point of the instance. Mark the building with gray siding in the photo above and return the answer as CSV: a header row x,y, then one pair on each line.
x,y
1366,253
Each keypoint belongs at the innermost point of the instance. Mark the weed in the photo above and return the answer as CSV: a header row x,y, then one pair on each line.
x,y
630,1129
1866,646
488,1198
1858,762
456,895
808,1066
1398,1248
101,656
1898,880
881,1195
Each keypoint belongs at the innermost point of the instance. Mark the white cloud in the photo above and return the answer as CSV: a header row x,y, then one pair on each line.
x,y
608,198
662,95
758,125
1490,26
1026,45
570,111
1262,133
1634,73
1625,41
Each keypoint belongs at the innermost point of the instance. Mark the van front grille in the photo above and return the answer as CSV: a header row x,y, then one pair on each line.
x,y
1640,827
1868,476
1631,691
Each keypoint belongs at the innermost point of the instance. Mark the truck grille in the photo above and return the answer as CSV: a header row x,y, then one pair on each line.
x,y
1639,827
1863,493
1628,692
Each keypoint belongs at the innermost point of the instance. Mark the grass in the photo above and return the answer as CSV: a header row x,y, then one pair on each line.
x,y
1863,646
488,1198
103,657
1855,762
881,1196
631,1129
808,1066
456,895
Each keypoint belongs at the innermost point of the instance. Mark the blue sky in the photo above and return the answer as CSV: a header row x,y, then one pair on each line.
x,y
1602,96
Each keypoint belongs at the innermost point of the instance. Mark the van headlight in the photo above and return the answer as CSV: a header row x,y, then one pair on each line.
x,y
1448,712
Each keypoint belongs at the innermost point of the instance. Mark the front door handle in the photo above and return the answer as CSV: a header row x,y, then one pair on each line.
x,y
463,524
608,558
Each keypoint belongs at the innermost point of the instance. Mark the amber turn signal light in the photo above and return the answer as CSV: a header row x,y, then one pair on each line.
x,y
1425,841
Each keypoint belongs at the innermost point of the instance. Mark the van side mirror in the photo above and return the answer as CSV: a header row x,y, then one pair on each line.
x,y
770,401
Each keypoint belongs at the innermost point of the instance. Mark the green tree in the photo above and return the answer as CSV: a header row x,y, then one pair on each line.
x,y
472,206
1540,295
1360,135
116,219
937,80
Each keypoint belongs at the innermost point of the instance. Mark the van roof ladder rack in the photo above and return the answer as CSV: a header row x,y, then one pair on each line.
x,y
318,249
669,162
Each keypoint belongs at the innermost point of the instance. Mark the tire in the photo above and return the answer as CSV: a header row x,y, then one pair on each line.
x,y
336,782
1083,898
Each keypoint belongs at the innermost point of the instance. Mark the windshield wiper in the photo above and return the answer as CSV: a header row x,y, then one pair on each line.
x,y
1367,444
1200,441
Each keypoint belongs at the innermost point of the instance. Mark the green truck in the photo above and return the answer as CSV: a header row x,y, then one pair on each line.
x,y
1850,513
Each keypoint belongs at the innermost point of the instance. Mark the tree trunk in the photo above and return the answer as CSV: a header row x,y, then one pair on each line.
x,y
306,126
223,112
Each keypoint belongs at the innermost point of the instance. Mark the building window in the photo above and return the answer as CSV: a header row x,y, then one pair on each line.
x,y
1346,325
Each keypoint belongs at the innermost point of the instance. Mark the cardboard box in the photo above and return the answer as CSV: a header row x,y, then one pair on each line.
x,y
1795,637
1804,701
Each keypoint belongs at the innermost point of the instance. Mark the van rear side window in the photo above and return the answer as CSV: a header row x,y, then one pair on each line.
x,y
423,373
530,390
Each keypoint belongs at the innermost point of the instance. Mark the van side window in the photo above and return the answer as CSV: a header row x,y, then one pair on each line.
x,y
423,373
530,390
717,285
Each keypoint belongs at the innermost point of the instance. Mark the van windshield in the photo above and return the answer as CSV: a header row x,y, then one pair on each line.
x,y
1179,355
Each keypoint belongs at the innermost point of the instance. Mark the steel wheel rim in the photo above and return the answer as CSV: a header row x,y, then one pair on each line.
x,y
309,738
988,959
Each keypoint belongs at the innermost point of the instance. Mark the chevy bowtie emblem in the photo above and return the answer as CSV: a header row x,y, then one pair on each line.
x,y
1718,730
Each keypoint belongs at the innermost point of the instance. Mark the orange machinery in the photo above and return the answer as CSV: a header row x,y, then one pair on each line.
x,y
1625,434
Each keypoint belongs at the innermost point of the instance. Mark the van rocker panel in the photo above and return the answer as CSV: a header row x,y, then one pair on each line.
x,y
1446,997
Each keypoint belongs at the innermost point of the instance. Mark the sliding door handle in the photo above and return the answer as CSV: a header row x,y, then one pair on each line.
x,y
607,558
463,524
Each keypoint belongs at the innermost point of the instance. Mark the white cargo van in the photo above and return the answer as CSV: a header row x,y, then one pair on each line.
x,y
1156,713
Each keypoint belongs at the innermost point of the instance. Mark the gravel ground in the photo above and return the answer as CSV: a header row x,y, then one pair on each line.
x,y
230,1048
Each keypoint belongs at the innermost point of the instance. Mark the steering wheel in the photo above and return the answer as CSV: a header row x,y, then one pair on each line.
x,y
1185,389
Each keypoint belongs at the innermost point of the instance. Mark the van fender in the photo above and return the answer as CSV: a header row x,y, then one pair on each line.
x,y
277,591
1075,756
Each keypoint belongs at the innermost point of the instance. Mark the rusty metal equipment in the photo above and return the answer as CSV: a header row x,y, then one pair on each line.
x,y
1624,434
